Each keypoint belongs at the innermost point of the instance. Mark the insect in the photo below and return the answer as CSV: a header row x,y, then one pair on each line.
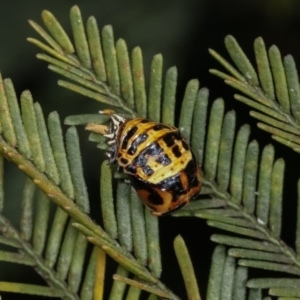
x,y
159,162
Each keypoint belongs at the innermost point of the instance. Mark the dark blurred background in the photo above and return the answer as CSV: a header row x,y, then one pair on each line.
x,y
182,31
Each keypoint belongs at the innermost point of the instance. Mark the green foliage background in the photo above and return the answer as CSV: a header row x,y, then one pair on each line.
x,y
191,29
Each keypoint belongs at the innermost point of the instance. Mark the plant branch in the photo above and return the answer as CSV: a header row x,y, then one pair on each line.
x,y
100,237
284,248
41,267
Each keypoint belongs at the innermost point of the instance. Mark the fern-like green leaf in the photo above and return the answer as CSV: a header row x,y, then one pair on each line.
x,y
231,172
186,268
273,89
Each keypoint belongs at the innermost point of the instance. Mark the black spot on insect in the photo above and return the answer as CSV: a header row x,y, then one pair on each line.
x,y
145,121
159,127
152,150
190,167
140,139
169,139
154,198
124,161
169,183
147,170
119,154
131,169
176,151
140,160
185,145
129,135
174,185
190,172
164,159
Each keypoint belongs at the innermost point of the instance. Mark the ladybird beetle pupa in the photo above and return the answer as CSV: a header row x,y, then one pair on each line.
x,y
159,162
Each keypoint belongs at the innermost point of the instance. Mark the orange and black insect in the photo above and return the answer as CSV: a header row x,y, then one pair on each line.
x,y
159,162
